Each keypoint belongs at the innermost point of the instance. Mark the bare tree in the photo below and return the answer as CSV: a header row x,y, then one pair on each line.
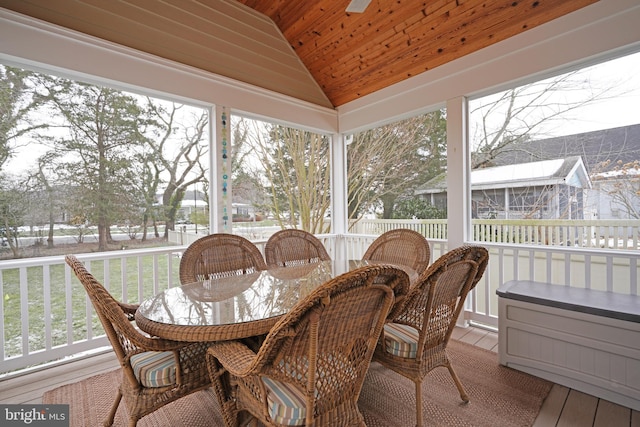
x,y
176,158
17,103
41,185
513,117
296,171
247,180
622,184
389,162
12,211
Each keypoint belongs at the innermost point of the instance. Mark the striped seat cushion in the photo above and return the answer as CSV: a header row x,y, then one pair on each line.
x,y
401,340
154,368
287,405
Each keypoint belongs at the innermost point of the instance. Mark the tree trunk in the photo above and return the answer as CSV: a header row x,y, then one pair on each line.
x,y
102,237
145,220
50,236
388,201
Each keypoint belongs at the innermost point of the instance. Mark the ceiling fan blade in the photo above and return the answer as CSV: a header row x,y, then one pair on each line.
x,y
357,6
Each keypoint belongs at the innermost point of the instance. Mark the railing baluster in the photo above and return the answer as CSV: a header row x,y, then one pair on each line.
x,y
141,279
24,309
68,305
89,309
633,268
587,271
46,299
609,273
2,317
532,260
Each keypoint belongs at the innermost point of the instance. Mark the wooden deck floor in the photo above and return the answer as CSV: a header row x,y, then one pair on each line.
x,y
562,408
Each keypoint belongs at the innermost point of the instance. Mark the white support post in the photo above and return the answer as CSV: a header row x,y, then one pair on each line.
x,y
507,204
339,194
458,185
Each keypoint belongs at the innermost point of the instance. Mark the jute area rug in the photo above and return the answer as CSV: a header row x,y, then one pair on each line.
x,y
499,396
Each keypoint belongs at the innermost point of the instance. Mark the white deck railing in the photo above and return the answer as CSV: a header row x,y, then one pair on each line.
x,y
604,234
45,313
606,270
46,316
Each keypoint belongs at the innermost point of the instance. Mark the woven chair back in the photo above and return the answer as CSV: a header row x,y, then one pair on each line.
x,y
292,247
219,255
401,246
324,345
115,320
431,310
434,304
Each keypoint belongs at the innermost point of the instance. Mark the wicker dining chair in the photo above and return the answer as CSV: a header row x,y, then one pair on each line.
x,y
154,371
311,367
219,255
415,341
401,246
290,247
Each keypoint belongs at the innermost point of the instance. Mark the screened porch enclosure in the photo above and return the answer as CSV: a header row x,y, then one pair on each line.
x,y
54,322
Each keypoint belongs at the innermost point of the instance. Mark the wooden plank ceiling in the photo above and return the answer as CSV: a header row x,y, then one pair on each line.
x,y
352,55
309,49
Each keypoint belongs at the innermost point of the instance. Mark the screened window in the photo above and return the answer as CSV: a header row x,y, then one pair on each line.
x,y
563,148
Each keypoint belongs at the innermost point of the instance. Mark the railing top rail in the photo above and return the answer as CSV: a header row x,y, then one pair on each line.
x,y
569,222
621,253
592,222
89,256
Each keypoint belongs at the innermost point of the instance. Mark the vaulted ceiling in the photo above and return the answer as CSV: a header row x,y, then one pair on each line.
x,y
308,49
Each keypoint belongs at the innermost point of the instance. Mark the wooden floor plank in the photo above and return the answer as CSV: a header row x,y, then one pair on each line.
x,y
552,407
36,396
30,387
473,335
609,414
458,333
489,341
579,410
635,418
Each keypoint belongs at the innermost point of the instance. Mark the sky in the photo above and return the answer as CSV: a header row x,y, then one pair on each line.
x,y
624,110
618,106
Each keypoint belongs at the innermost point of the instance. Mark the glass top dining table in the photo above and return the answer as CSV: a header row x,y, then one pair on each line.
x,y
239,306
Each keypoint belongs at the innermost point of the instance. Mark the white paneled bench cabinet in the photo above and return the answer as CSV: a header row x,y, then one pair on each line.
x,y
584,339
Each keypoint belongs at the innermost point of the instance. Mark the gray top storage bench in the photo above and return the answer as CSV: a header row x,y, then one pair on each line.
x,y
590,301
584,339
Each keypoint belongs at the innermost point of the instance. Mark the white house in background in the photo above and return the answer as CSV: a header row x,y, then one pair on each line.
x,y
195,202
611,157
191,203
615,194
549,189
